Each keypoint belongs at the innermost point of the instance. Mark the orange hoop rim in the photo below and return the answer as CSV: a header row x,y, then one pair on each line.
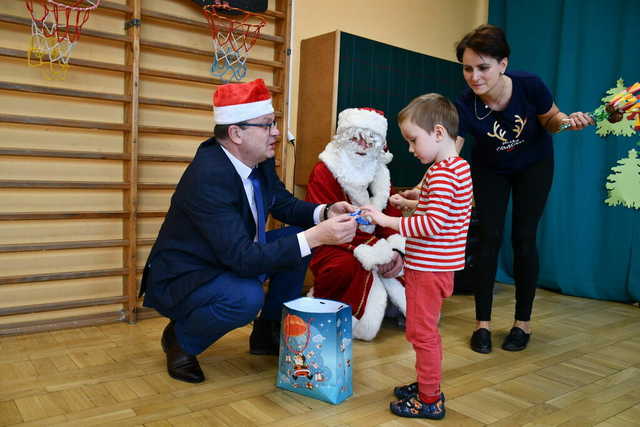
x,y
211,11
71,15
74,6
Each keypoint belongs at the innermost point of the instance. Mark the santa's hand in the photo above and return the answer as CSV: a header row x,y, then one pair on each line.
x,y
334,231
340,208
393,267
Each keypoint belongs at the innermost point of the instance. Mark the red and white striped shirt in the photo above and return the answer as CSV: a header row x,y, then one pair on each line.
x,y
437,231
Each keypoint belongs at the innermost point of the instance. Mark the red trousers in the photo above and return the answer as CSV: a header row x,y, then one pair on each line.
x,y
425,291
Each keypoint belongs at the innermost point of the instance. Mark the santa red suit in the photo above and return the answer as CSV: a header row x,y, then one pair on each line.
x,y
357,173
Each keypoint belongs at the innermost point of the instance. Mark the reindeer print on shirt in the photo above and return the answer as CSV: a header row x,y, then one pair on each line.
x,y
505,143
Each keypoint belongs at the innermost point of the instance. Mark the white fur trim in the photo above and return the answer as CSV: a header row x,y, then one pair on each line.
x,y
396,293
359,118
369,324
358,195
397,242
231,114
386,157
371,256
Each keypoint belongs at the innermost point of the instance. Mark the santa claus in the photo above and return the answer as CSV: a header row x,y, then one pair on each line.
x,y
366,274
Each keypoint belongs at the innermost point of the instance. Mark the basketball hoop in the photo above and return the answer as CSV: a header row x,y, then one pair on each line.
x,y
232,38
55,29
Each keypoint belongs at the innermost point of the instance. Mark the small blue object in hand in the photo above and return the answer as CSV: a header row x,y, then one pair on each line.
x,y
359,218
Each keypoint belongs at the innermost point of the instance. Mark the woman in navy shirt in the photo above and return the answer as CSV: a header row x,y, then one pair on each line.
x,y
511,116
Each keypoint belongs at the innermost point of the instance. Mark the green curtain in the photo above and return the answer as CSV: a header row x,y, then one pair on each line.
x,y
378,75
579,48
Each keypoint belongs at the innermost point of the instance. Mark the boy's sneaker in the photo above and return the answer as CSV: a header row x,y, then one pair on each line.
x,y
413,407
405,391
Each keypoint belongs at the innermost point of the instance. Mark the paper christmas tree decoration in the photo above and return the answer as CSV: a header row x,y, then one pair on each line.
x,y
622,127
624,183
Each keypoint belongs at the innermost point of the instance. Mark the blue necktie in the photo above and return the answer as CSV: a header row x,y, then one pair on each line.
x,y
257,195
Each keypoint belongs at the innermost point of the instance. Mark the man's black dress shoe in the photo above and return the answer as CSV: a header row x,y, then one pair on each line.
x,y
180,365
265,337
517,340
481,341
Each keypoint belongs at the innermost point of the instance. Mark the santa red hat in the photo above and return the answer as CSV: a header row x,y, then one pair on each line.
x,y
238,102
367,118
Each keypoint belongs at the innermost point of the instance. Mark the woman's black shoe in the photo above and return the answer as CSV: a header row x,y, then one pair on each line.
x,y
481,341
517,340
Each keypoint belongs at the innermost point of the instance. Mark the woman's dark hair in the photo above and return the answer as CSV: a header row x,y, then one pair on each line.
x,y
486,40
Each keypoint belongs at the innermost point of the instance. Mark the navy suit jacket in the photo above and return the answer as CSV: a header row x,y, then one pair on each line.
x,y
209,229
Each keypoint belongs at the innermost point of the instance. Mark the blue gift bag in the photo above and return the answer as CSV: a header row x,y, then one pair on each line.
x,y
315,349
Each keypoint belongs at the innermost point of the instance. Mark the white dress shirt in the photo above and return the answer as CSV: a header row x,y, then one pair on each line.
x,y
244,171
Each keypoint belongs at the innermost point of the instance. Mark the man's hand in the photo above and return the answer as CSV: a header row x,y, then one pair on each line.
x,y
334,231
393,267
340,208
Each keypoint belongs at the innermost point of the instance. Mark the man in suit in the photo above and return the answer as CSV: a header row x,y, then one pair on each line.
x,y
206,269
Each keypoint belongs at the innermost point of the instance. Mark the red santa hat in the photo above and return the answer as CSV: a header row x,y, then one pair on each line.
x,y
367,118
238,102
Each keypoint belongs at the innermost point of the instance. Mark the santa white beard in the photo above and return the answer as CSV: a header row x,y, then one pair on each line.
x,y
365,179
359,170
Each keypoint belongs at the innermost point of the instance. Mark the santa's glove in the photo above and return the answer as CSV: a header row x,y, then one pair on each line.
x,y
371,256
397,242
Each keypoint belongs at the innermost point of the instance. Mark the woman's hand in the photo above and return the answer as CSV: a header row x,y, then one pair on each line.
x,y
578,120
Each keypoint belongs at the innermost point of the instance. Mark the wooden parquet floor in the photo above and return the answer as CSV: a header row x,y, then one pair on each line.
x,y
582,368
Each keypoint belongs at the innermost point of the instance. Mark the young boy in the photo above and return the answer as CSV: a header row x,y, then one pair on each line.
x,y
436,237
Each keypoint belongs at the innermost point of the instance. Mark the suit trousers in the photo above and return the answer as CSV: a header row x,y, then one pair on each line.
x,y
230,301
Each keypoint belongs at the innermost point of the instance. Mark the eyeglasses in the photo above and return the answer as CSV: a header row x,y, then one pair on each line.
x,y
261,125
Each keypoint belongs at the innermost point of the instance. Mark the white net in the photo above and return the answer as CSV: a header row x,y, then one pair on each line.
x,y
55,29
232,40
230,55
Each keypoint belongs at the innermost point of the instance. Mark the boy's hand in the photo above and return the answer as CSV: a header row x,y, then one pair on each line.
x,y
397,201
411,194
405,205
373,215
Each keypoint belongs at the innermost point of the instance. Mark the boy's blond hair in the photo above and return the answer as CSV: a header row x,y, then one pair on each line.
x,y
429,110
